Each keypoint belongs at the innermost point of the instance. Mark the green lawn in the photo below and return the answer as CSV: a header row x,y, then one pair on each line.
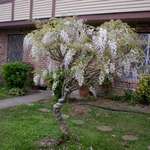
x,y
23,126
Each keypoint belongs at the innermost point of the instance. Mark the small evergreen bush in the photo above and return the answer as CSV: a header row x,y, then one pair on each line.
x,y
143,90
131,97
17,75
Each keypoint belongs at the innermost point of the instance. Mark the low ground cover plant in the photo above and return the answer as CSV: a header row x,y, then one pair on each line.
x,y
129,96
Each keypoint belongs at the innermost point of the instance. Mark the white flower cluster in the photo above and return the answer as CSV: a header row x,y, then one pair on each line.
x,y
126,66
90,31
63,49
65,37
54,86
36,79
100,40
39,78
28,42
108,67
112,67
35,51
79,76
52,66
49,38
68,57
101,77
113,48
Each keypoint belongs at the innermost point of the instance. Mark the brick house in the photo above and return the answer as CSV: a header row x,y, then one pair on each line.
x,y
16,19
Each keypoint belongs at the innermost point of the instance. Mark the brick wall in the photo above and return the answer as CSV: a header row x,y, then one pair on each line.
x,y
3,48
39,64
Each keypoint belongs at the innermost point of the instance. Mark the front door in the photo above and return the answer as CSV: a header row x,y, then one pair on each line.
x,y
15,47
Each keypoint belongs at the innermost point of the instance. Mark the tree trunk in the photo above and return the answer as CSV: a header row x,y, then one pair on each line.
x,y
57,113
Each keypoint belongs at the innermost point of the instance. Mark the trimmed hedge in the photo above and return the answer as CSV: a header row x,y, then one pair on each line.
x,y
143,90
17,75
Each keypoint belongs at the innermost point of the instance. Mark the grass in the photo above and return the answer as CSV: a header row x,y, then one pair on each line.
x,y
21,127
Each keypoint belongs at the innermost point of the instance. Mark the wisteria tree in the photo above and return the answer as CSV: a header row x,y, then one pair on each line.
x,y
80,55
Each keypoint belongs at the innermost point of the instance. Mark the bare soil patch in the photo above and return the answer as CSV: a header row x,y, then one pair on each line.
x,y
121,105
78,110
105,128
129,137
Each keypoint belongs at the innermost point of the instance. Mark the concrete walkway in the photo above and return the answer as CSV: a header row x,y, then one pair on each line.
x,y
11,102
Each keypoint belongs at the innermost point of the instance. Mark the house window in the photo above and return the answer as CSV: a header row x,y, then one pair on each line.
x,y
146,37
146,46
15,47
133,74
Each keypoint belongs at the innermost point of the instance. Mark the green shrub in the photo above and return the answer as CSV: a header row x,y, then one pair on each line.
x,y
17,75
16,92
143,90
116,98
128,96
131,97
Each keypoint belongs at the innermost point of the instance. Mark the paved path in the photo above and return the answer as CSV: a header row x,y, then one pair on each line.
x,y
11,102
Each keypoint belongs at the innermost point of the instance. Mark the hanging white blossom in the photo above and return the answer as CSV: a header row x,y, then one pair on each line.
x,y
54,86
49,38
101,77
27,43
133,55
36,79
100,40
52,66
63,49
44,74
64,36
113,48
68,57
89,46
55,83
126,66
90,31
106,67
67,23
79,76
112,68
42,82
135,74
35,51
